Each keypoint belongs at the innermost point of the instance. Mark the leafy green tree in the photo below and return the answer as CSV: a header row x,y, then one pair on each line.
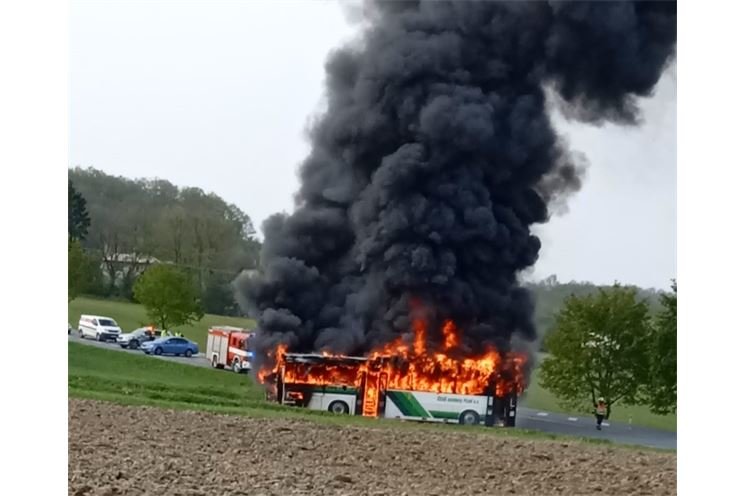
x,y
83,271
94,284
169,295
599,348
550,294
217,295
78,221
132,220
76,269
662,394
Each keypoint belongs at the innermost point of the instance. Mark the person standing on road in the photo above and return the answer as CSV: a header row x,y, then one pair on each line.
x,y
601,411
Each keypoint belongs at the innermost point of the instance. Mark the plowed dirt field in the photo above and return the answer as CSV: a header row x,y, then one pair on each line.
x,y
117,449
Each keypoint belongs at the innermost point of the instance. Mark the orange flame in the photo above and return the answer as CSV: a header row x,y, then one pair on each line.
x,y
449,330
276,357
412,367
419,337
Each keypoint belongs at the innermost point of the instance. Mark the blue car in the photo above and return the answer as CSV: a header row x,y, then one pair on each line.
x,y
170,346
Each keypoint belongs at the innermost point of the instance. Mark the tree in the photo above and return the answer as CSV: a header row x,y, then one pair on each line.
x,y
599,348
134,220
75,269
83,271
217,295
662,393
169,296
550,295
78,221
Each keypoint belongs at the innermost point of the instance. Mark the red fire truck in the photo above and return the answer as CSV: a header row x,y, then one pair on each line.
x,y
228,347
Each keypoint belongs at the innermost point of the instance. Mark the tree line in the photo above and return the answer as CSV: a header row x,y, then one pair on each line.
x,y
131,224
177,251
550,294
207,236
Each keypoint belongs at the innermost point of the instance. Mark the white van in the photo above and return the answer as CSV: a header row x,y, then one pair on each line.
x,y
98,327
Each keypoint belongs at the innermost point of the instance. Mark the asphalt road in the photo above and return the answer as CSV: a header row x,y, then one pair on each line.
x,y
618,432
196,360
527,418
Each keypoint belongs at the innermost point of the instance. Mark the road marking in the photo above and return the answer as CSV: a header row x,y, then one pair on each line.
x,y
573,419
542,414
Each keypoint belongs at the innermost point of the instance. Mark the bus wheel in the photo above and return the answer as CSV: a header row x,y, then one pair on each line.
x,y
339,407
469,417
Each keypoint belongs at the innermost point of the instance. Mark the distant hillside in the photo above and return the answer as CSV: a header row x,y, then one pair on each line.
x,y
550,295
135,220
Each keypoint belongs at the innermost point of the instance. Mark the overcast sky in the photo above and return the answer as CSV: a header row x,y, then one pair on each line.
x,y
217,95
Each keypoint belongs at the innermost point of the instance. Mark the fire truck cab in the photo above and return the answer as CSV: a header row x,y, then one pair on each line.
x,y
229,347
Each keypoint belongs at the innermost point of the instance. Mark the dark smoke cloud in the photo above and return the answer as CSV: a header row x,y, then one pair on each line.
x,y
434,158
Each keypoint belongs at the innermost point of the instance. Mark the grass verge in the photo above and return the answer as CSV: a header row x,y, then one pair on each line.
x,y
127,379
131,316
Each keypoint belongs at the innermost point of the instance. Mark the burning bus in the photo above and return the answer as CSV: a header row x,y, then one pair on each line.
x,y
421,189
360,386
404,382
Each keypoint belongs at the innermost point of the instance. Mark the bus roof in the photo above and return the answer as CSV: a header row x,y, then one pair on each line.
x,y
318,358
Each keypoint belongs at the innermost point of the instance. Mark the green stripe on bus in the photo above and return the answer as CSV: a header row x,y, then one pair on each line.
x,y
408,404
444,415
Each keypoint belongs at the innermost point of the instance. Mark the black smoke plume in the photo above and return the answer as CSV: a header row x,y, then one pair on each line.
x,y
434,158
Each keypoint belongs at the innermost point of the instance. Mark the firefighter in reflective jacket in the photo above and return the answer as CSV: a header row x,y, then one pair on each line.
x,y
601,411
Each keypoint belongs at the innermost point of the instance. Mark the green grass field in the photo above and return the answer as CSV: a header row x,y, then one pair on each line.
x,y
131,316
124,378
96,372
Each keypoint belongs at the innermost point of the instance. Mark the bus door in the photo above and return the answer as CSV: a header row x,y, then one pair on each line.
x,y
505,409
511,416
491,411
372,394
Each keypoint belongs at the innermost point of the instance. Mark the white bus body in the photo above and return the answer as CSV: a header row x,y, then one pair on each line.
x,y
437,407
334,400
468,409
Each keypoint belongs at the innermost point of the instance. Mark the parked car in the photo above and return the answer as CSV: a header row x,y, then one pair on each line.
x,y
170,346
134,339
101,328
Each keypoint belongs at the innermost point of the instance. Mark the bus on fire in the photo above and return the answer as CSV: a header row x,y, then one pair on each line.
x,y
359,386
